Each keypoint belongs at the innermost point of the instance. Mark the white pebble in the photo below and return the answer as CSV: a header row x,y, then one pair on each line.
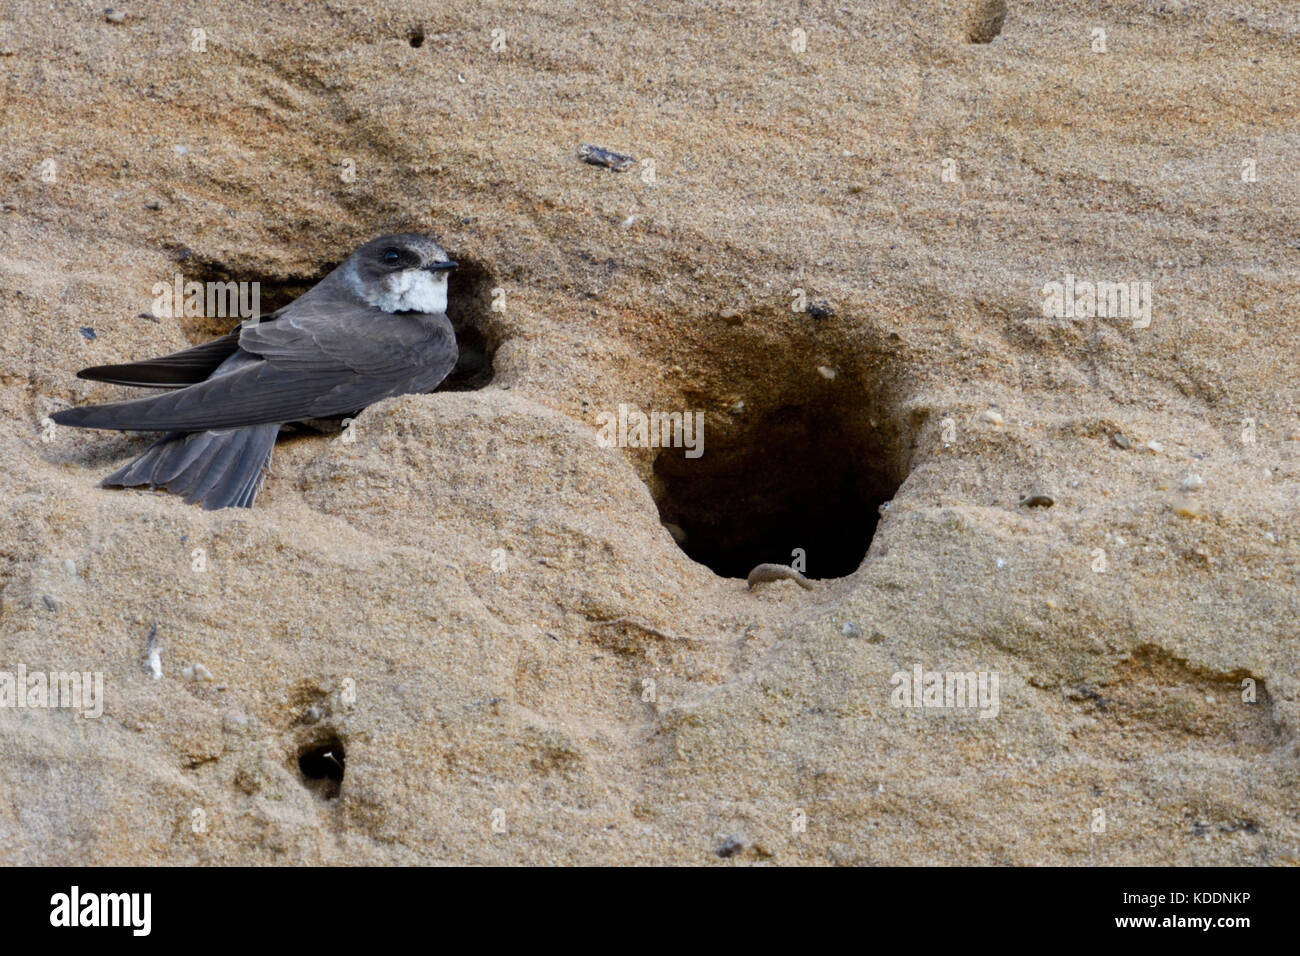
x,y
1155,446
992,417
1193,483
826,372
70,566
152,657
197,672
153,663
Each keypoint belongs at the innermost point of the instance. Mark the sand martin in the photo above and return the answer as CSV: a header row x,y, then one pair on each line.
x,y
374,327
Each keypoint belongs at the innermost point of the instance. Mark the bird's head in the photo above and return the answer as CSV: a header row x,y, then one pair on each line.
x,y
402,273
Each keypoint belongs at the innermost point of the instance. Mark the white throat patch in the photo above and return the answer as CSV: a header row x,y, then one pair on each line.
x,y
412,290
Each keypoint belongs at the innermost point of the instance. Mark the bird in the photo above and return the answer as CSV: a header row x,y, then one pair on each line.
x,y
374,327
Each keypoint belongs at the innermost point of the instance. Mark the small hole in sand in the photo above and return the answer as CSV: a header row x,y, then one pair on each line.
x,y
984,19
321,763
416,37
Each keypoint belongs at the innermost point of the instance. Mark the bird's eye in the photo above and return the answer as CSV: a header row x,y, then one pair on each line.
x,y
391,256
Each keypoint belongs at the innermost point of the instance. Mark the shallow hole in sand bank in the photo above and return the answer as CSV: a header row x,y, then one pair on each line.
x,y
321,764
983,20
808,476
469,307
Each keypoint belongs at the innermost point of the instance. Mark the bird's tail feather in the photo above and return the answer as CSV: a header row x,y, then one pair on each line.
x,y
217,469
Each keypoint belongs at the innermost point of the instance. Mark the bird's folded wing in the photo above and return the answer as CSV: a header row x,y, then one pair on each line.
x,y
169,371
332,361
314,333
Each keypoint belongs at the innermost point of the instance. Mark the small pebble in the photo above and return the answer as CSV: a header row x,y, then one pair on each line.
x,y
88,333
597,156
197,672
1120,441
730,316
114,16
992,417
1192,483
50,603
820,309
1155,446
826,372
849,629
730,846
70,566
152,654
737,407
1187,509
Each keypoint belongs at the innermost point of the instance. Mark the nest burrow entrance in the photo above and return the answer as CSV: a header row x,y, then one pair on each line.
x,y
802,479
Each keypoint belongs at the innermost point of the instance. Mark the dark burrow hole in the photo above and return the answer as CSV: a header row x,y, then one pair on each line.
x,y
322,765
469,307
416,36
811,476
469,299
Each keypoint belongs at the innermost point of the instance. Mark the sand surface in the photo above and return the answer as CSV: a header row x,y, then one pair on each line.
x,y
481,607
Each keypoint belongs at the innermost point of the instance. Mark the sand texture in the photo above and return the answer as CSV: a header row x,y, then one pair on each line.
x,y
832,243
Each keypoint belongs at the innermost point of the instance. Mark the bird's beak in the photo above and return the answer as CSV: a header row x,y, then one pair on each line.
x,y
438,266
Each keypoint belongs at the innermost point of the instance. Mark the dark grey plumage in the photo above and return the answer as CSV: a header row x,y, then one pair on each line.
x,y
346,343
